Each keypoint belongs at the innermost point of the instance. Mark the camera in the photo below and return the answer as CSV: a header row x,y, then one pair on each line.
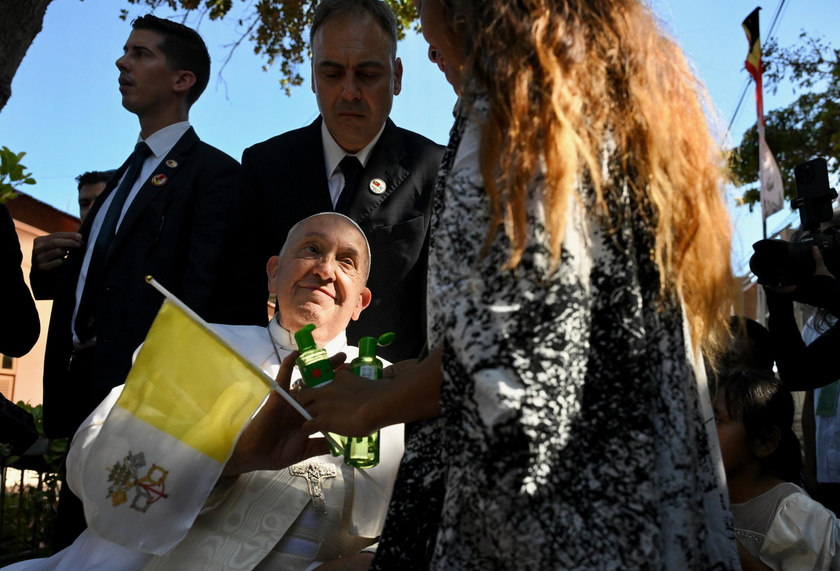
x,y
779,263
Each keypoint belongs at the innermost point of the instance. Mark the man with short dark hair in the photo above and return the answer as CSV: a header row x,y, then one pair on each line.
x,y
49,251
171,224
163,213
354,160
90,186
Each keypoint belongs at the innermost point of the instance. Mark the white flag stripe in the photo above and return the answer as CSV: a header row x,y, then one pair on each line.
x,y
772,189
152,477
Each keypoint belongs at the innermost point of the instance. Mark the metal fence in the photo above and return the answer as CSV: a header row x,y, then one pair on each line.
x,y
31,482
27,513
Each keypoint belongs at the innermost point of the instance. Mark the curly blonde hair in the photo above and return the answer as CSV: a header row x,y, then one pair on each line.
x,y
563,75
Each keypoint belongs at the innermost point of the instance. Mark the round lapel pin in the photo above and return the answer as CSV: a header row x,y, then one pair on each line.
x,y
378,186
171,164
159,179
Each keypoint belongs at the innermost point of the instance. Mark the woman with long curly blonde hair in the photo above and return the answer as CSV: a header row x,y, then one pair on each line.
x,y
579,262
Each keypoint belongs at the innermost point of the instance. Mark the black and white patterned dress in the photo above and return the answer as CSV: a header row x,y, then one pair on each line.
x,y
575,432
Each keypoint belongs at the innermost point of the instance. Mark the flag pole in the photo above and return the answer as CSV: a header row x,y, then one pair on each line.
x,y
180,304
771,186
271,382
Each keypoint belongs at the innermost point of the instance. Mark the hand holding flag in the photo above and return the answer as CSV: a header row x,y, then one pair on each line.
x,y
174,427
274,438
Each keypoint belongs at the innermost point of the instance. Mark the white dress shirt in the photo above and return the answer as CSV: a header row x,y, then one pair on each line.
x,y
333,153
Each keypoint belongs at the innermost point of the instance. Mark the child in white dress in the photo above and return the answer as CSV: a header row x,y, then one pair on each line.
x,y
776,522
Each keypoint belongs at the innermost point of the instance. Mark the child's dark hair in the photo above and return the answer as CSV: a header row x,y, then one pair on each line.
x,y
749,347
759,401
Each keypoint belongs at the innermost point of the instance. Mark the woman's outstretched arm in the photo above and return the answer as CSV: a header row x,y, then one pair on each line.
x,y
355,406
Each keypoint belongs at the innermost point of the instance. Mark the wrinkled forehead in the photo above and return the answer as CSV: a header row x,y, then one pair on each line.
x,y
360,22
329,221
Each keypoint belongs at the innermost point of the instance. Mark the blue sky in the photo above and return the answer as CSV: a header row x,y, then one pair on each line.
x,y
65,110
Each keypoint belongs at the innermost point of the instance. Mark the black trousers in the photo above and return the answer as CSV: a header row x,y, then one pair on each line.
x,y
70,520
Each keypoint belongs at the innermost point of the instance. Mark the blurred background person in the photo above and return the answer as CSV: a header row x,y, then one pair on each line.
x,y
821,427
802,365
18,333
807,361
90,186
49,251
21,325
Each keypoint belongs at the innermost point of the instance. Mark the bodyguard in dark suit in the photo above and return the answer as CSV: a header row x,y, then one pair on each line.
x,y
387,189
163,213
172,225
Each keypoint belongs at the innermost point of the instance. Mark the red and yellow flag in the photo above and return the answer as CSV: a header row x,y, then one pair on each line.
x,y
772,190
750,25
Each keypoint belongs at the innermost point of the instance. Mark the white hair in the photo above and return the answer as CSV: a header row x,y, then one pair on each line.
x,y
342,216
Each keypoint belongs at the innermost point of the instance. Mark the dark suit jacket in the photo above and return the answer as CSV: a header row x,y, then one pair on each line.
x,y
284,181
21,325
174,232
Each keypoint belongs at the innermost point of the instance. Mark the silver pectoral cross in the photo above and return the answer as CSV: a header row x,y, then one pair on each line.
x,y
315,472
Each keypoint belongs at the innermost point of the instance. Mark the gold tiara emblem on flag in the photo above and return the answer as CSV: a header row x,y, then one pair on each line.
x,y
147,490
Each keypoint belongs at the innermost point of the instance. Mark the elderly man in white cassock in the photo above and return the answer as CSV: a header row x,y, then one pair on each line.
x,y
277,504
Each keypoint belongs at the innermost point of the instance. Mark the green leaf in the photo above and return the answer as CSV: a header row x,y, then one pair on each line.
x,y
12,174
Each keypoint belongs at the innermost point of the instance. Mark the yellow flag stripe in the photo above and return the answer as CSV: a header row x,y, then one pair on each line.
x,y
190,385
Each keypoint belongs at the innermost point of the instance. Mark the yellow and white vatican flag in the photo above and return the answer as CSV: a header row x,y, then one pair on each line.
x,y
166,440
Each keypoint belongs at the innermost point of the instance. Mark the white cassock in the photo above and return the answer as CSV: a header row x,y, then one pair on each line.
x,y
291,519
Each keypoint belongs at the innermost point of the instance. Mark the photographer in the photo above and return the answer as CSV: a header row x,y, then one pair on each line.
x,y
804,270
805,367
811,361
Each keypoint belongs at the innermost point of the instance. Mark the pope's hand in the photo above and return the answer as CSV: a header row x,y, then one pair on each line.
x,y
274,439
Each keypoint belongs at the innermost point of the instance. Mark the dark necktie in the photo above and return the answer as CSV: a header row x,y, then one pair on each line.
x,y
352,169
86,316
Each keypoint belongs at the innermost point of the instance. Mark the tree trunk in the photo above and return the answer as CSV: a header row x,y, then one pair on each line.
x,y
20,22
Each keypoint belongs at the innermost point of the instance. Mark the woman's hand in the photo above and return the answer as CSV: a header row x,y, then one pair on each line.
x,y
394,370
354,406
344,406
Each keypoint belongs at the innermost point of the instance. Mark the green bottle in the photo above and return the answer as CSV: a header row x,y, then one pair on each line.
x,y
315,369
314,364
363,451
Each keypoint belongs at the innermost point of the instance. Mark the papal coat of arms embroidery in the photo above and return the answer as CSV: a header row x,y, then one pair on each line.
x,y
124,480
